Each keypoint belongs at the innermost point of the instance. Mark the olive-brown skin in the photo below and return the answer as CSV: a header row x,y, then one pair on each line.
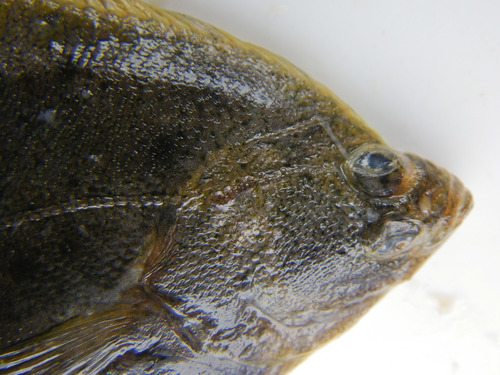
x,y
199,190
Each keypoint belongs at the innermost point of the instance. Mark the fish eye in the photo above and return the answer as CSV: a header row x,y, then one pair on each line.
x,y
376,170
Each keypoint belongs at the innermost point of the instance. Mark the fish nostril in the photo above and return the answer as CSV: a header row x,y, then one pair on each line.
x,y
425,204
431,200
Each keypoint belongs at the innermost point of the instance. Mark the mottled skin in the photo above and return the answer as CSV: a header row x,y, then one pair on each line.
x,y
174,201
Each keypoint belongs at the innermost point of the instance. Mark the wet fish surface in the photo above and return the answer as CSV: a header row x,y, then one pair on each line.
x,y
176,201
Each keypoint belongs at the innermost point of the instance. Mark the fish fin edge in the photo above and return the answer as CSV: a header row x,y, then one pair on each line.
x,y
85,344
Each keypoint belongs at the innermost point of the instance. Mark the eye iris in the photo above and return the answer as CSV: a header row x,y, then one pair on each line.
x,y
376,170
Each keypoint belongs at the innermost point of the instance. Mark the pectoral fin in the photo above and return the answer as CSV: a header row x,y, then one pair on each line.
x,y
87,345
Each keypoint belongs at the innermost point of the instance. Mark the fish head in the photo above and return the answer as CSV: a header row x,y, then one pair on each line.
x,y
423,203
303,229
345,230
307,229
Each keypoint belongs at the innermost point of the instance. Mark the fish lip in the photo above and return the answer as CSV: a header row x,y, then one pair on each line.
x,y
459,204
415,238
399,238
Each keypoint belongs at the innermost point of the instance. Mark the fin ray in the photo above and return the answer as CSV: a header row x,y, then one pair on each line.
x,y
86,345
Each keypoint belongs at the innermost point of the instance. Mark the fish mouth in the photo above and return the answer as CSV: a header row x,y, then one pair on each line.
x,y
443,208
459,204
398,237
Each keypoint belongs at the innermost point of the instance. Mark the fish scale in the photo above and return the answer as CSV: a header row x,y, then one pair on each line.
x,y
174,200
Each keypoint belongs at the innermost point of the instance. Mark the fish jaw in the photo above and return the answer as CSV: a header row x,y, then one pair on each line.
x,y
460,203
427,208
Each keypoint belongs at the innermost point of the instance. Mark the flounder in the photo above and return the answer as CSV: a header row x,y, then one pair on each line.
x,y
176,201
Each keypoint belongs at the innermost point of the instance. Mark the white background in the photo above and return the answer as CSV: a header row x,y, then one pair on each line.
x,y
426,75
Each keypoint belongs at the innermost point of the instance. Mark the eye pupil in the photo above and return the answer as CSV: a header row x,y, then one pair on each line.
x,y
378,161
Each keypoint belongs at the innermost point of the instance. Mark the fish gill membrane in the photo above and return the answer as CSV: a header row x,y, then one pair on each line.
x,y
174,200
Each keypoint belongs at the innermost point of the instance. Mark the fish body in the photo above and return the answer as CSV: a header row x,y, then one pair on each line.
x,y
174,200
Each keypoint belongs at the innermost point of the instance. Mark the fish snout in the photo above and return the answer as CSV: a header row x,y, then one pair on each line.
x,y
459,203
439,204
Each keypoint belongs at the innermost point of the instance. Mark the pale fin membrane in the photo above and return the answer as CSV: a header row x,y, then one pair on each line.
x,y
87,345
